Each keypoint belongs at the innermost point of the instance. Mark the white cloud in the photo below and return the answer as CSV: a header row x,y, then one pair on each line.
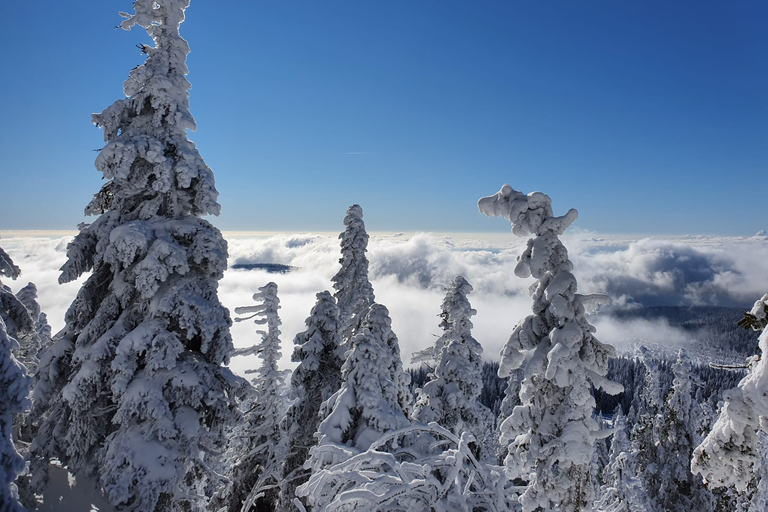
x,y
409,271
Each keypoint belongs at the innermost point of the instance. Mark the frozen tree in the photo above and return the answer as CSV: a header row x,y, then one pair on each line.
x,y
622,491
646,431
258,449
450,397
133,389
680,490
366,406
552,432
20,326
320,356
18,321
7,268
354,293
728,456
14,390
379,324
383,479
40,337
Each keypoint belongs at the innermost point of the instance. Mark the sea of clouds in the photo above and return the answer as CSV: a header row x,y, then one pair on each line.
x,y
409,271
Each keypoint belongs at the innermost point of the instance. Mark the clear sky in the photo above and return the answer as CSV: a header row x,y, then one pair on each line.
x,y
647,116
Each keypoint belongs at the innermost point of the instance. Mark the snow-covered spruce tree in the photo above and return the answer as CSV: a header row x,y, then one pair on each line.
x,y
552,432
320,356
450,397
258,449
680,490
14,391
133,389
354,293
728,455
378,322
367,404
622,491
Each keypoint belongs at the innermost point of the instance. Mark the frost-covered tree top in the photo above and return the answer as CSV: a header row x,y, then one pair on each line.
x,y
354,293
728,455
14,388
7,268
151,167
264,312
133,388
552,432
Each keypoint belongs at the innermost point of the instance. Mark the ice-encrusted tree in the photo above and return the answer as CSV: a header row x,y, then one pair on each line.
x,y
19,323
728,456
450,396
320,355
551,434
379,323
14,391
367,404
680,490
622,491
396,474
258,449
40,339
354,293
7,268
134,391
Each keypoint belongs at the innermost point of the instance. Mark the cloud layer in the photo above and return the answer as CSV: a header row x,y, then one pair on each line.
x,y
409,272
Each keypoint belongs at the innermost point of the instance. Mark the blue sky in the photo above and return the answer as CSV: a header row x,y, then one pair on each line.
x,y
647,116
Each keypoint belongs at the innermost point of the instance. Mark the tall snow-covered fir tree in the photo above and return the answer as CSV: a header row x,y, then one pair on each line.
x,y
450,397
728,456
258,449
133,389
552,433
354,293
320,355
